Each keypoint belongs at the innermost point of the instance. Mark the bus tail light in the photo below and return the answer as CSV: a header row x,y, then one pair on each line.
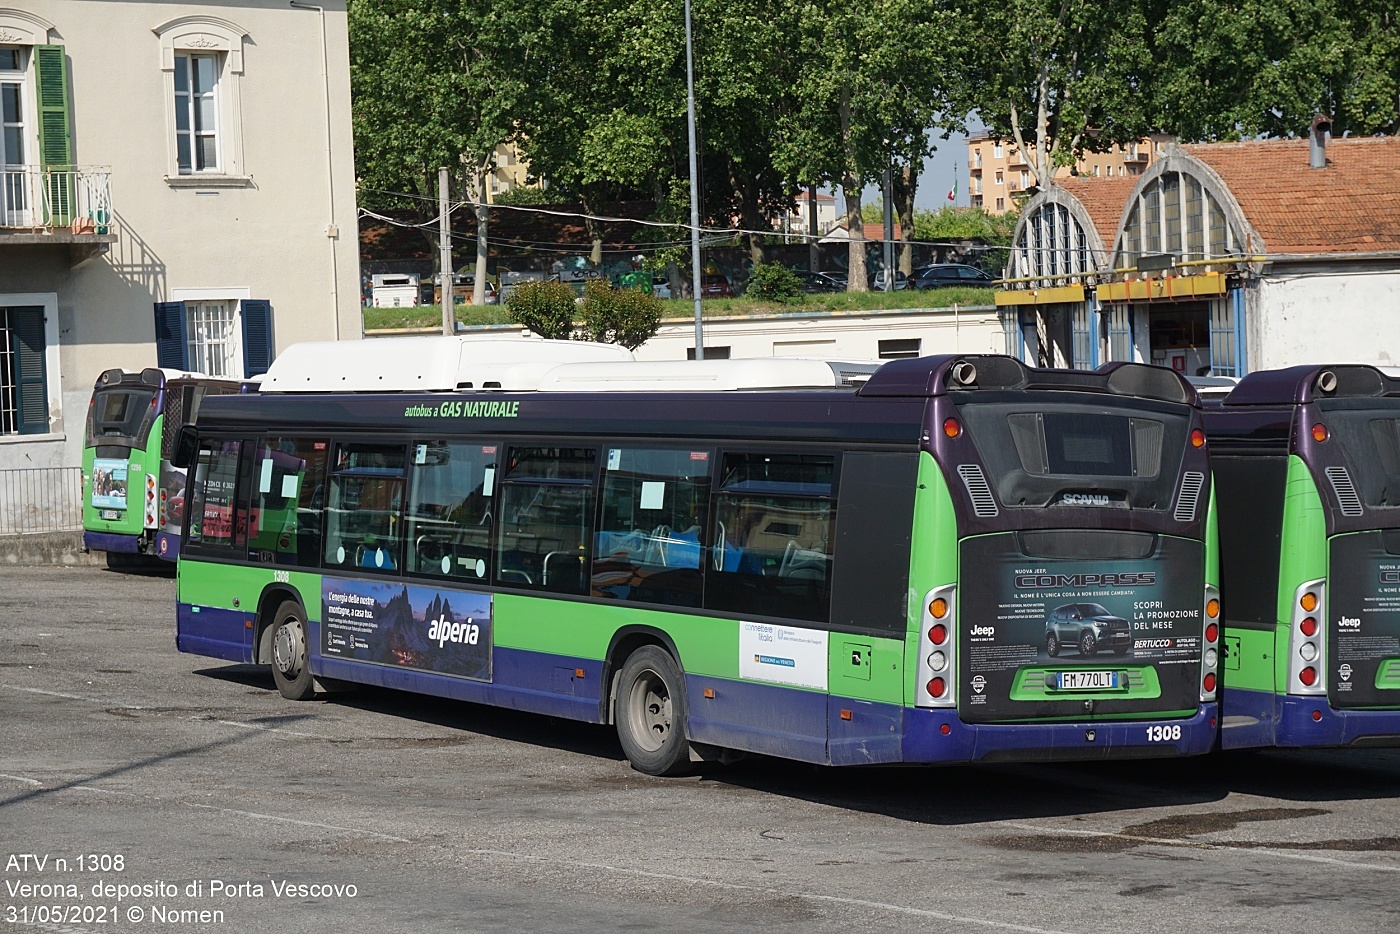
x,y
1319,432
1198,438
1307,645
952,427
151,501
938,650
1210,655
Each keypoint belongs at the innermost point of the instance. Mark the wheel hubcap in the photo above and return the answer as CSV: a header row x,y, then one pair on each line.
x,y
650,705
287,647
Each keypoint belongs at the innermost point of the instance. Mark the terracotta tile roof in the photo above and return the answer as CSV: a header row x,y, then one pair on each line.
x,y
1103,198
1352,206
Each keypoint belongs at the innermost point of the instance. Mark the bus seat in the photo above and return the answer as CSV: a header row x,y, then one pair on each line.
x,y
374,556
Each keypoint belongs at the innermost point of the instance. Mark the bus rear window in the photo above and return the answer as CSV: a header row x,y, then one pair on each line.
x,y
1371,440
118,412
1039,453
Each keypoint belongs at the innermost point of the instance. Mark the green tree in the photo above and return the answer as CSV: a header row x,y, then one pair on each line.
x,y
1056,76
435,83
547,308
629,317
1231,69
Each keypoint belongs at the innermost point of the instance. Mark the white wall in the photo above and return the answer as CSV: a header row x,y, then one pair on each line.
x,y
1325,318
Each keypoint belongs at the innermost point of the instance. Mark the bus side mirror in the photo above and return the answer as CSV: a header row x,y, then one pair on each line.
x,y
186,444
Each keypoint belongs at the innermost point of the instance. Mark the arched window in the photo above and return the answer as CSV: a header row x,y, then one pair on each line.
x,y
1177,214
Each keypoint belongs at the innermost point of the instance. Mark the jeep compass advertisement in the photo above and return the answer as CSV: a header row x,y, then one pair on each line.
x,y
1078,637
1363,612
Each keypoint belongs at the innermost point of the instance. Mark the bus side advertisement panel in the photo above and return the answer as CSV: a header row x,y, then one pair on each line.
x,y
1043,636
447,632
1363,597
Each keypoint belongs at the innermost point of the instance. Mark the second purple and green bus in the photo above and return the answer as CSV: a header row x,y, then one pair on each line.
x,y
1307,460
956,559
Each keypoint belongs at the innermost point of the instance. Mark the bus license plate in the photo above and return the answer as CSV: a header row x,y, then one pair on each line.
x,y
1086,680
110,514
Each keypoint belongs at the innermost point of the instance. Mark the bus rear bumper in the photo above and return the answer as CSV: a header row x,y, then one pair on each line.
x,y
926,741
107,541
1311,721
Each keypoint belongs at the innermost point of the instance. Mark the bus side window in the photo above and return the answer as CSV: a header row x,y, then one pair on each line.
x,y
546,521
450,513
288,482
215,520
648,544
363,522
772,537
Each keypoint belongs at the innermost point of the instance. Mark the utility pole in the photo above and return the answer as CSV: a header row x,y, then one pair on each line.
x,y
814,253
445,254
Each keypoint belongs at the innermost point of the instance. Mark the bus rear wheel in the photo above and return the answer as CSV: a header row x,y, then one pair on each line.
x,y
289,653
650,713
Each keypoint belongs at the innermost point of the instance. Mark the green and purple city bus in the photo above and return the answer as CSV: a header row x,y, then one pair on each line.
x,y
1308,464
132,496
937,560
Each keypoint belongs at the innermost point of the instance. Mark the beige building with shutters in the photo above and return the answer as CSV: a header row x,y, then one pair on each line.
x,y
176,188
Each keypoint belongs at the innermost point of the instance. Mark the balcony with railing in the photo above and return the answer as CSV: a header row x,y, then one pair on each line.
x,y
57,205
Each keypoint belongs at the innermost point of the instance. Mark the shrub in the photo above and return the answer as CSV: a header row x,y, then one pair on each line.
x,y
629,317
547,308
770,282
527,197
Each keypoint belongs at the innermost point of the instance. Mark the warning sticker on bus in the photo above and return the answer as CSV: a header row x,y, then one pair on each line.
x,y
1035,629
443,631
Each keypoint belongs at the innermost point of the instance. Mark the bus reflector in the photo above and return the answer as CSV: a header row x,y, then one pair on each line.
x,y
1308,676
938,634
937,686
1308,626
1309,602
1209,682
951,427
939,609
1319,432
1198,438
1317,715
1212,631
945,729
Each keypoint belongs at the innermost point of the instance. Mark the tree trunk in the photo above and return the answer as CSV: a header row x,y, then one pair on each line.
x,y
814,253
906,183
482,215
850,189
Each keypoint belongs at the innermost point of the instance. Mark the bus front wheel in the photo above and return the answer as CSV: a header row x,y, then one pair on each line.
x,y
289,655
650,713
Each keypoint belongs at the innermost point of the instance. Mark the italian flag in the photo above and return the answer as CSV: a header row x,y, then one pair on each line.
x,y
953,192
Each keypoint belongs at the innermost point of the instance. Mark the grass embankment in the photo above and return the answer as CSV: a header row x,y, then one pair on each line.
x,y
429,316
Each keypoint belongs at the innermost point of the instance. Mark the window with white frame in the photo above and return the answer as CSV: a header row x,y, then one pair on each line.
x,y
211,331
24,404
202,60
197,112
14,137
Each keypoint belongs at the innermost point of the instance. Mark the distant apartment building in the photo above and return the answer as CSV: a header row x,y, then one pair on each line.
x,y
797,219
511,171
999,175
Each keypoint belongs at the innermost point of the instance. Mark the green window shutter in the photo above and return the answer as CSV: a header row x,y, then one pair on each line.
x,y
27,325
55,131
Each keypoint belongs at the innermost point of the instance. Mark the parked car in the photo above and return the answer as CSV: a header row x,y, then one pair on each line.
x,y
716,286
660,286
877,281
462,285
818,282
1087,627
941,275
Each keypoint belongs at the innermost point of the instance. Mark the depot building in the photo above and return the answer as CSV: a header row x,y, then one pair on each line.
x,y
1221,259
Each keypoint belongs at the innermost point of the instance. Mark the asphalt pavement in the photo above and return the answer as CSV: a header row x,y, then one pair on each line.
x,y
167,791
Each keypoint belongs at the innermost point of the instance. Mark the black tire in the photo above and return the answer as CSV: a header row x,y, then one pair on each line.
x,y
290,655
1087,644
650,713
1052,645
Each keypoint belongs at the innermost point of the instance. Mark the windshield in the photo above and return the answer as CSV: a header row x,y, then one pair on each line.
x,y
1066,454
118,413
1093,609
1371,439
